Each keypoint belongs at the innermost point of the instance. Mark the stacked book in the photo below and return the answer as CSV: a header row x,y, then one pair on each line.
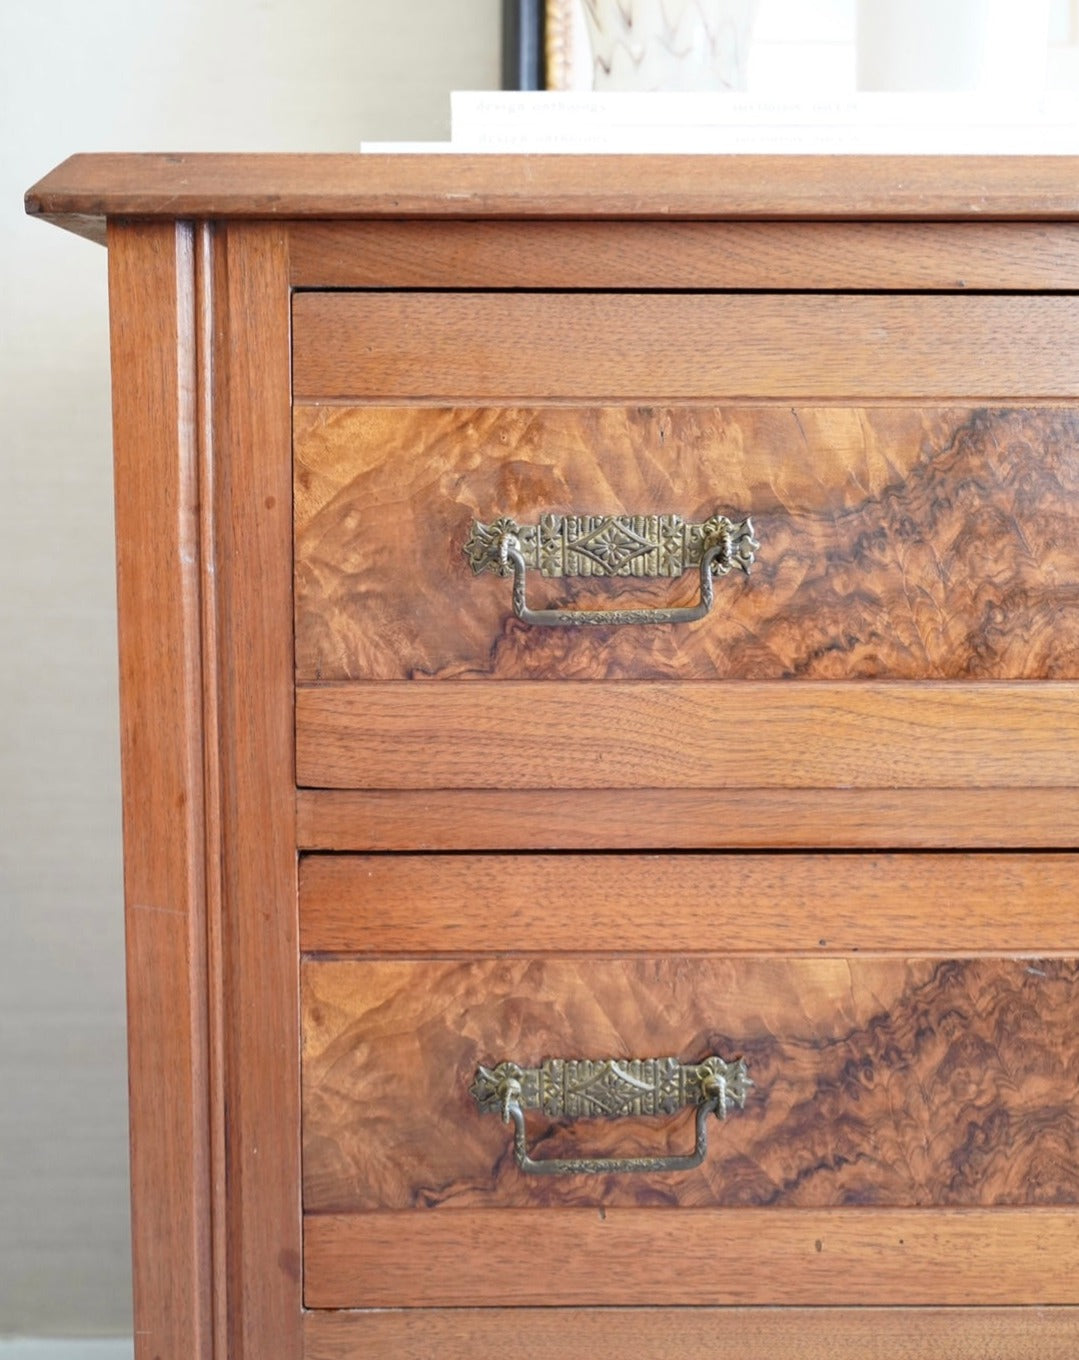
x,y
702,123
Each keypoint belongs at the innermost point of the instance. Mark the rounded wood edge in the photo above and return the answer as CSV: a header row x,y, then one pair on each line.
x,y
644,1333
87,188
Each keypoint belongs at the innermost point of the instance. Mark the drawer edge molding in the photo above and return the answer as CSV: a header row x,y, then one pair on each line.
x,y
613,903
693,1257
815,1333
723,735
790,346
907,256
676,819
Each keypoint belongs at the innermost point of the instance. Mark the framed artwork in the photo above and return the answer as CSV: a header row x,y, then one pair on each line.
x,y
800,47
626,44
566,46
545,45
524,65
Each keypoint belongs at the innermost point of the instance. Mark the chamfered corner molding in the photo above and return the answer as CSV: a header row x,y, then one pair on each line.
x,y
611,545
581,1088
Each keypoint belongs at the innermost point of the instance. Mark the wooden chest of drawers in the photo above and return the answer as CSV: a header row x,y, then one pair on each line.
x,y
599,646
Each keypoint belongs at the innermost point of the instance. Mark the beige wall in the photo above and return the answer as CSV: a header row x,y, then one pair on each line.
x,y
118,75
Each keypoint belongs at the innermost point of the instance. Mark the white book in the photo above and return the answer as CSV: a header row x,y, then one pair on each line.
x,y
407,148
732,124
478,114
780,141
795,140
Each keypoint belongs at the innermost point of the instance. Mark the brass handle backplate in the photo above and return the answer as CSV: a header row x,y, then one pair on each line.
x,y
609,1088
611,545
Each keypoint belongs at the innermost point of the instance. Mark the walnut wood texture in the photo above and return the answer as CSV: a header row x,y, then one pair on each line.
x,y
672,819
605,734
668,347
152,290
692,1333
691,255
201,349
695,1257
207,272
252,429
894,542
209,800
85,189
550,904
881,1081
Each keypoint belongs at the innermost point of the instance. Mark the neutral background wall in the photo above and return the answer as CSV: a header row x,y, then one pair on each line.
x,y
120,75
150,75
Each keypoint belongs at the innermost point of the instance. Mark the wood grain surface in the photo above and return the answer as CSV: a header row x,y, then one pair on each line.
x,y
566,903
694,255
156,363
878,1081
694,1257
85,189
894,542
696,1333
606,734
666,347
674,819
260,1112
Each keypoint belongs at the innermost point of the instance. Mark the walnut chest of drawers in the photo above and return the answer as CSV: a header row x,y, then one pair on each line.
x,y
599,645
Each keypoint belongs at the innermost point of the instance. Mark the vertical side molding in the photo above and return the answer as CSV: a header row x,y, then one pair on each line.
x,y
205,240
202,433
154,363
252,626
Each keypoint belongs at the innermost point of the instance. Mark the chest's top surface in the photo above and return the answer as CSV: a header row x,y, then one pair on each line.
x,y
85,190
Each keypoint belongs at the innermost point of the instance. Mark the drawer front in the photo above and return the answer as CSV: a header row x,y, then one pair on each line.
x,y
911,1134
884,1089
902,471
888,1081
890,542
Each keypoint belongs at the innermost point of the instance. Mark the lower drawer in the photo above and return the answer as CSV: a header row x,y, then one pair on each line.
x,y
911,1134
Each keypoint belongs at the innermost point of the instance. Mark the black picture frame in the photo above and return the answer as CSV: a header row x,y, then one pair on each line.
x,y
523,63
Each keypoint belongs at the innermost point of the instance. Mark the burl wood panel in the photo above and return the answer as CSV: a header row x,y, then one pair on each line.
x,y
898,542
884,1082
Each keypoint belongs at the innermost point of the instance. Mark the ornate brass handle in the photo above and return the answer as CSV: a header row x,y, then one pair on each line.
x,y
583,1088
611,545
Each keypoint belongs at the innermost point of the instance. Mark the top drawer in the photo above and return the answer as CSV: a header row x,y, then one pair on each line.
x,y
923,524
909,465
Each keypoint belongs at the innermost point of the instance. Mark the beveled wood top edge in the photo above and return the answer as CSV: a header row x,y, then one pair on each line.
x,y
86,189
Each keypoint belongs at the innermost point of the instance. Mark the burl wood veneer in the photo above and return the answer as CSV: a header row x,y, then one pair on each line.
x,y
342,754
876,1081
895,542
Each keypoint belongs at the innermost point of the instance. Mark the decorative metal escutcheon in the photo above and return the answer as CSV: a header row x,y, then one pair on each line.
x,y
611,545
578,1088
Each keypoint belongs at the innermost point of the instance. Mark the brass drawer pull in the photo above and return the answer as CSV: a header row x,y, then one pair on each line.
x,y
609,1088
611,545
